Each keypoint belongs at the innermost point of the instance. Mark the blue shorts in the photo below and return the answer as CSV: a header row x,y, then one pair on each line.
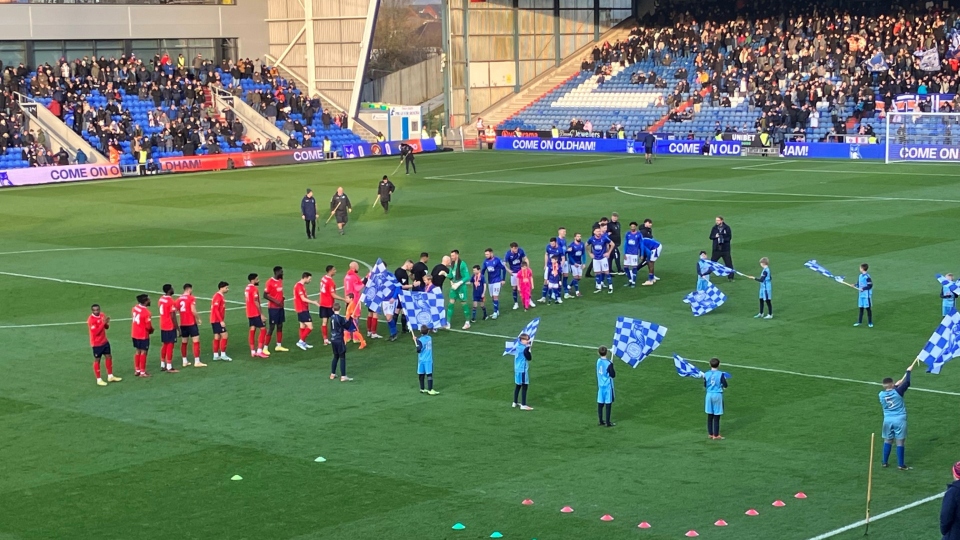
x,y
894,428
714,403
522,377
168,336
189,331
255,322
478,294
947,310
276,316
304,317
425,367
218,328
101,350
766,294
864,302
605,395
141,344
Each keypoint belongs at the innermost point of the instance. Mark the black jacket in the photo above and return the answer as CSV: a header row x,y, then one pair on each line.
x,y
439,275
950,513
721,236
308,208
340,204
613,231
385,189
420,269
402,276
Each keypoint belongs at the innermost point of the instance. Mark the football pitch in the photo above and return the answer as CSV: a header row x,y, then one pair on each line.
x,y
153,458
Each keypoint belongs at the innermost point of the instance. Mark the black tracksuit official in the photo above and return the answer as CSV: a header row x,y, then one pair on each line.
x,y
385,190
721,236
406,155
613,231
338,325
308,211
340,206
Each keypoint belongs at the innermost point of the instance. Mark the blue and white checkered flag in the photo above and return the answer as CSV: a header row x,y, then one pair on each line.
x,y
718,269
530,329
381,286
424,308
634,340
813,265
702,302
953,286
685,368
943,345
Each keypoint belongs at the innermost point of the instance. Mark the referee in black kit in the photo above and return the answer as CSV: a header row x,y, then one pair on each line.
x,y
308,211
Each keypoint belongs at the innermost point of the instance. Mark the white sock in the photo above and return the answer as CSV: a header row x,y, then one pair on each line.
x,y
169,365
259,351
216,356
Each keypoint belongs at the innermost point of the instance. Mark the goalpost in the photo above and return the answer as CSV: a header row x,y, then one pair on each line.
x,y
922,137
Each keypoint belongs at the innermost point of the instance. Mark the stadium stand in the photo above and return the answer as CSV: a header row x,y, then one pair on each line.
x,y
814,75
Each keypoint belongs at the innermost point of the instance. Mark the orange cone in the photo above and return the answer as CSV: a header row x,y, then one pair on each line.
x,y
778,503
606,517
752,512
720,523
527,502
643,525
691,533
800,495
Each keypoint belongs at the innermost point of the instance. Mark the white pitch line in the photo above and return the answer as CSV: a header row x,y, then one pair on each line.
x,y
740,366
765,164
846,198
725,201
878,517
853,172
76,323
563,164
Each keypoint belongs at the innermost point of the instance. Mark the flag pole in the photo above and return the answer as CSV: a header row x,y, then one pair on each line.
x,y
866,531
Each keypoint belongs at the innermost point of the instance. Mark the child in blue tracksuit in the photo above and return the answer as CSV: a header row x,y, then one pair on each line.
x,y
865,298
766,293
948,296
703,272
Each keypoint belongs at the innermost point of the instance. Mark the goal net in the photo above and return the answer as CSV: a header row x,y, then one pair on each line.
x,y
922,136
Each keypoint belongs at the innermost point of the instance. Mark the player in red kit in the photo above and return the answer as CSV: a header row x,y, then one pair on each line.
x,y
140,329
218,311
189,325
273,292
251,298
328,292
168,328
301,304
97,324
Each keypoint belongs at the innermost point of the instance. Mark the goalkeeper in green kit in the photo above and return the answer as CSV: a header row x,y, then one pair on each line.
x,y
459,277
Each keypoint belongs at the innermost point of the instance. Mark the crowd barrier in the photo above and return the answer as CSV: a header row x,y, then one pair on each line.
x,y
239,160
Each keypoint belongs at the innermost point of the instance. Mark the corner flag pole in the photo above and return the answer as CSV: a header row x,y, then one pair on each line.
x,y
866,531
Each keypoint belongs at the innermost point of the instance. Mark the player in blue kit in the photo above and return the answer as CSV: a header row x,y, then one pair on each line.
x,y
514,259
600,247
895,417
553,250
766,290
479,292
865,298
575,253
521,373
703,272
605,375
948,297
425,359
714,381
650,250
494,271
632,241
564,265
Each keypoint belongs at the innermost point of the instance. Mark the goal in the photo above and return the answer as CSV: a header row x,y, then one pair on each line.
x,y
922,136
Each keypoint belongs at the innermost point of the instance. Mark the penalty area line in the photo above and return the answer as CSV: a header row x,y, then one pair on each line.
x,y
878,517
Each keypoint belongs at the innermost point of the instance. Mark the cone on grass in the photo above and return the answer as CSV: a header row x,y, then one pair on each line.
x,y
644,525
606,517
320,459
566,510
236,477
527,502
458,526
752,512
800,495
720,523
496,535
778,503
692,533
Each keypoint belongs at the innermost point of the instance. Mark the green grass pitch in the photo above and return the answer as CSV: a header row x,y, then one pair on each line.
x,y
153,458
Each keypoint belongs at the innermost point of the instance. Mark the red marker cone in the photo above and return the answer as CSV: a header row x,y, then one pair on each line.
x,y
606,517
778,503
752,512
691,533
720,523
800,495
527,502
566,510
643,525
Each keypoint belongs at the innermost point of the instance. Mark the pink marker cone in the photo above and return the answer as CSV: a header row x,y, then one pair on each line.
x,y
800,495
752,512
643,525
691,533
527,502
566,510
720,523
778,503
606,517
